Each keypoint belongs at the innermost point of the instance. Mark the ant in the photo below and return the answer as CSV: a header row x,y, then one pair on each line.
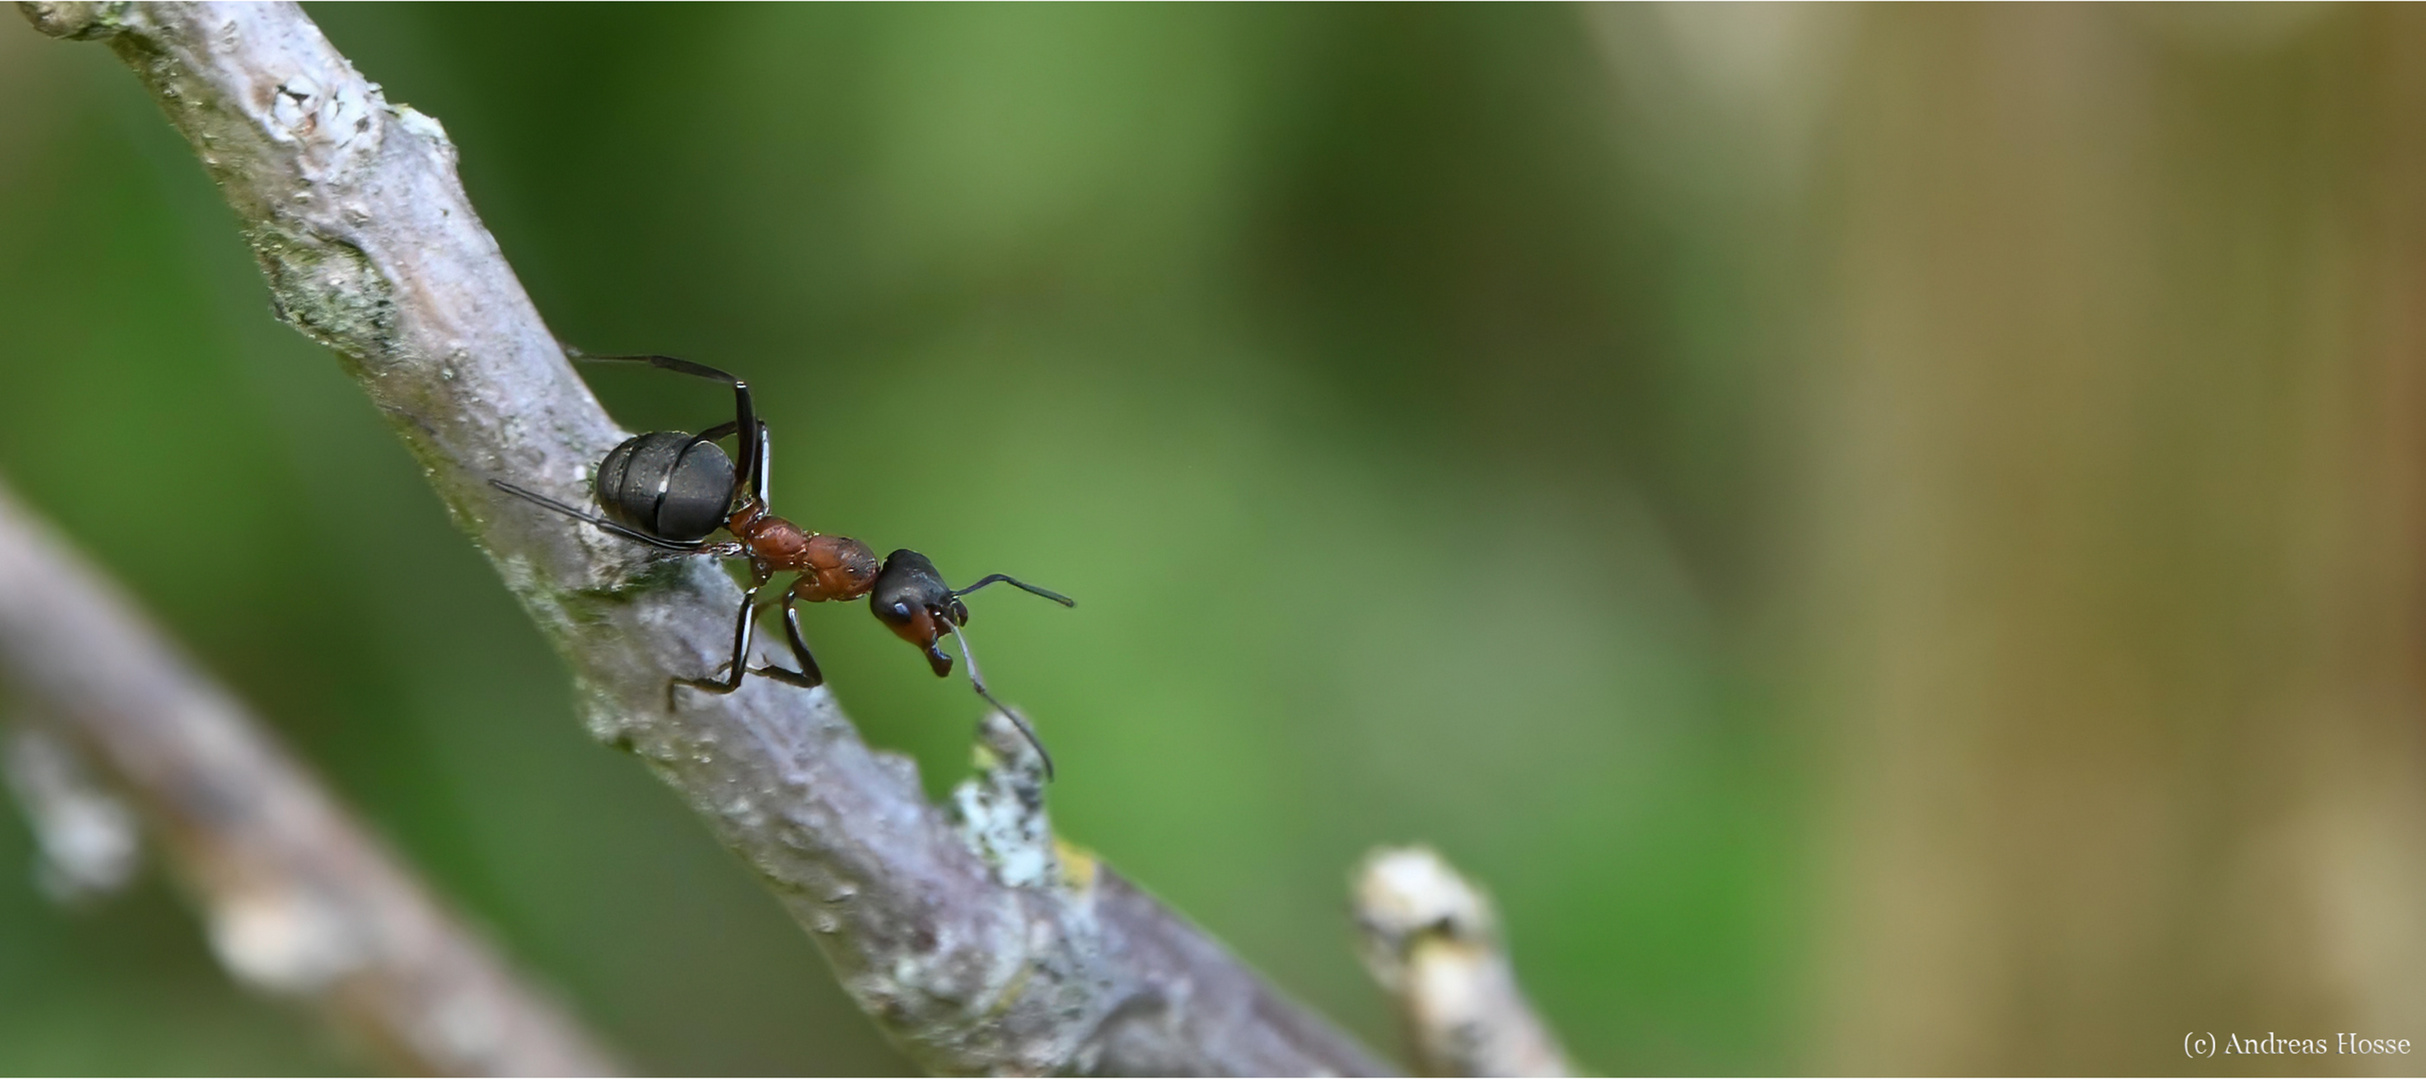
x,y
671,489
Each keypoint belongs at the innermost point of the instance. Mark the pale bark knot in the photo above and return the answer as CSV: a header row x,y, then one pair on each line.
x,y
282,938
294,108
325,121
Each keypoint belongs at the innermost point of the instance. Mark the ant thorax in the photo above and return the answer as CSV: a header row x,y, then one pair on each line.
x,y
835,568
830,567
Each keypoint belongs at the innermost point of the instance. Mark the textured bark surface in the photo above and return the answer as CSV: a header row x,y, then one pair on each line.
x,y
973,940
298,899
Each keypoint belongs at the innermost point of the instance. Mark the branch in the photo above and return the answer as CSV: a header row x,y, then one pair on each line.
x,y
978,944
1431,941
298,898
85,834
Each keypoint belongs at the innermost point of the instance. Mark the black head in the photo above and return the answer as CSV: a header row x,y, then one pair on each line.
x,y
669,484
910,596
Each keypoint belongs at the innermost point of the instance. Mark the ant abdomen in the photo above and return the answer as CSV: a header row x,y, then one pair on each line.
x,y
667,483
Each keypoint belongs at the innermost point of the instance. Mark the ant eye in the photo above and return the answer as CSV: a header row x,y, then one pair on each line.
x,y
901,609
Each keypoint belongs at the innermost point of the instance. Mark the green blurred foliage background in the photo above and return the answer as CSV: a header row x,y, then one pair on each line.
x,y
1877,533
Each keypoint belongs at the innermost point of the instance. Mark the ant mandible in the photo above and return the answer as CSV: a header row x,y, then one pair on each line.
x,y
671,489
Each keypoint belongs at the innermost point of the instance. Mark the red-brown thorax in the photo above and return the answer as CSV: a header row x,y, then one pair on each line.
x,y
830,567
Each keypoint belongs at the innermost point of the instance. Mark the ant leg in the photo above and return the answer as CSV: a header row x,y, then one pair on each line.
x,y
1007,579
669,363
621,530
751,470
808,677
741,655
758,479
979,681
760,463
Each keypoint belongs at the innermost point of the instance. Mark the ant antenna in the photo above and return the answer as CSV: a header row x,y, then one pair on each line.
x,y
979,681
1007,579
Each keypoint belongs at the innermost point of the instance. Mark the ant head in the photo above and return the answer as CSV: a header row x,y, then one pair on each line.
x,y
910,596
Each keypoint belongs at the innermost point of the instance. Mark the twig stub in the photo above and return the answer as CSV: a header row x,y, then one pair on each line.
x,y
1432,941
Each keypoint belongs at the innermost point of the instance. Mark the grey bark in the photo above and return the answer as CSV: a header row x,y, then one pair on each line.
x,y
298,899
974,941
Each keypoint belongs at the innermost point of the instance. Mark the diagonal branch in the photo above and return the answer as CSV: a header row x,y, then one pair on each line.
x,y
977,943
298,898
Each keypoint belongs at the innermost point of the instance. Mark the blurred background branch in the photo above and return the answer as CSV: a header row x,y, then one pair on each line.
x,y
371,248
89,847
298,900
1432,941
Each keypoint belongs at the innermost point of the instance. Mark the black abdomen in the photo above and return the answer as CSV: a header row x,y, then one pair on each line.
x,y
669,484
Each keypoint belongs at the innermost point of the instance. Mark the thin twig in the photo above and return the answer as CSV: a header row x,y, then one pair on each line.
x,y
972,965
298,899
1432,941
